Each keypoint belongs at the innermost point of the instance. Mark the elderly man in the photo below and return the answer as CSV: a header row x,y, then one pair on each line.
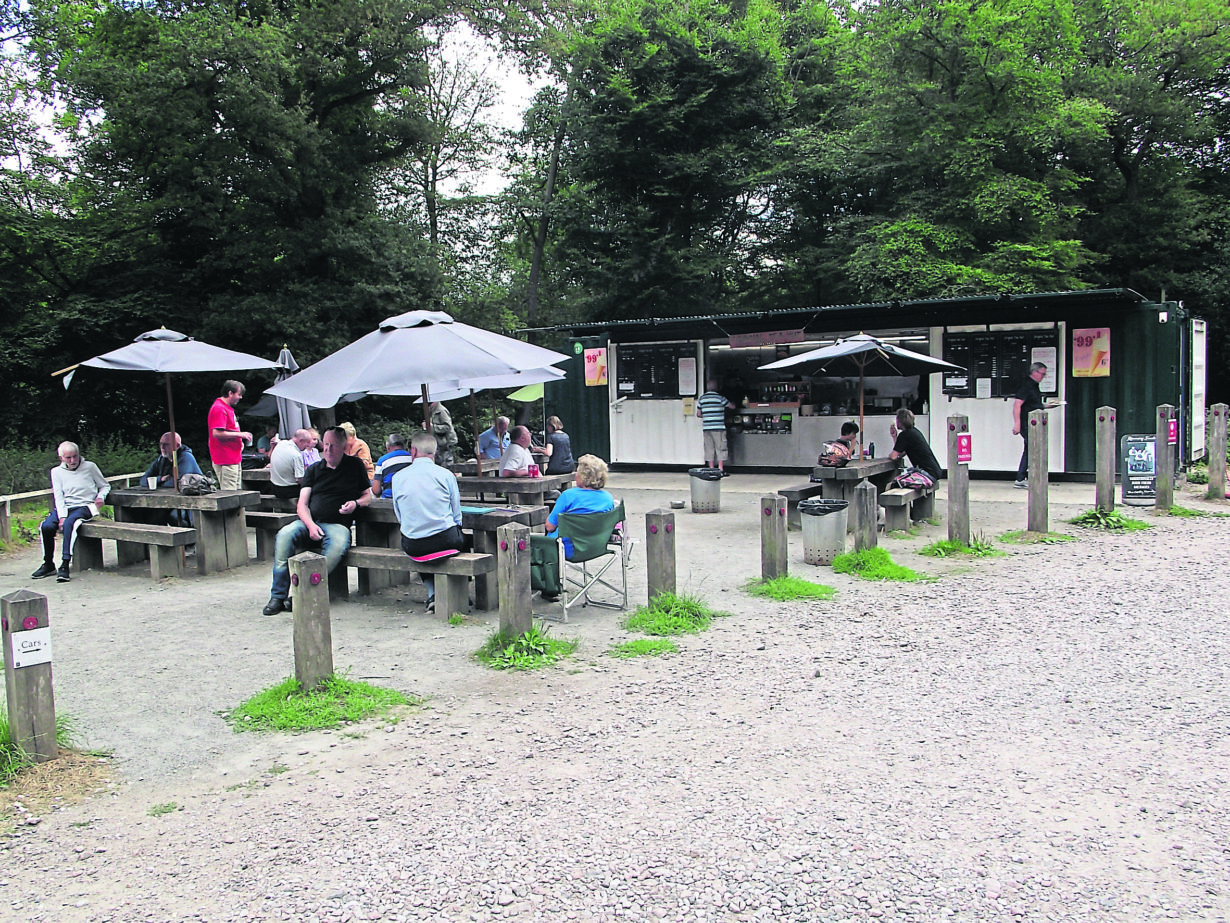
x,y
493,442
226,439
517,458
286,467
78,489
333,489
428,507
163,469
395,458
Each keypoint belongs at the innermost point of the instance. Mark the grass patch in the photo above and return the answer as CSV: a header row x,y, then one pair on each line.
x,y
457,618
644,647
1023,537
13,759
1198,474
671,614
787,588
873,564
168,807
1109,521
338,701
528,651
978,547
1185,512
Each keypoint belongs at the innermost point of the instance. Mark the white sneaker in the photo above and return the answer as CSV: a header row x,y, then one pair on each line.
x,y
1023,485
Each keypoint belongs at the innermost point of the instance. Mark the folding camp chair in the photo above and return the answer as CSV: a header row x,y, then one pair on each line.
x,y
593,537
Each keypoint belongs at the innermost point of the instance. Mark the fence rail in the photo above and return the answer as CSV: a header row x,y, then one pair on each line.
x,y
7,503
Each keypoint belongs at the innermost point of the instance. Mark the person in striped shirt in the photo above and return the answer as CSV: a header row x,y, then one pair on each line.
x,y
711,407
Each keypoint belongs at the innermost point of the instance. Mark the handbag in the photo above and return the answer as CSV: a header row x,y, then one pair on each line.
x,y
835,455
913,479
195,485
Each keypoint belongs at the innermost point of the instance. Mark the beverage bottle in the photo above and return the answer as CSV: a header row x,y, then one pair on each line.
x,y
871,450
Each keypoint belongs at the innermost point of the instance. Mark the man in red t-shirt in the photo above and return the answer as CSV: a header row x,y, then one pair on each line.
x,y
226,439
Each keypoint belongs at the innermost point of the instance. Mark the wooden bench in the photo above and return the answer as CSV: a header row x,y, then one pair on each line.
x,y
904,504
165,544
793,495
266,525
452,593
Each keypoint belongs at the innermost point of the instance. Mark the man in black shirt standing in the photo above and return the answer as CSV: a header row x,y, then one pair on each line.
x,y
1027,399
333,489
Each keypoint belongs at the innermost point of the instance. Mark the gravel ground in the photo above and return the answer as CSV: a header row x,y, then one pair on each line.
x,y
1041,736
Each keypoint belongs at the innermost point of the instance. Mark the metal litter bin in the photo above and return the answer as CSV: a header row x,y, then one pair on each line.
x,y
824,529
706,490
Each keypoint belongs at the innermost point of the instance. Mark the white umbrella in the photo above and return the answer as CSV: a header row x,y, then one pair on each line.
x,y
864,352
168,351
413,353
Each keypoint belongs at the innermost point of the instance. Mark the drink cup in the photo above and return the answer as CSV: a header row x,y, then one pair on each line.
x,y
152,483
533,471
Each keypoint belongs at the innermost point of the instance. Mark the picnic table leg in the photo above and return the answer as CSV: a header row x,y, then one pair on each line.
x,y
452,595
127,553
486,586
166,562
236,538
210,542
374,535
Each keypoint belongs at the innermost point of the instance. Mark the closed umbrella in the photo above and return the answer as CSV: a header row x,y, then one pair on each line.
x,y
168,351
870,355
292,415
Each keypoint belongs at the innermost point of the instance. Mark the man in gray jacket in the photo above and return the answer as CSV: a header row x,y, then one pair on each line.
x,y
78,489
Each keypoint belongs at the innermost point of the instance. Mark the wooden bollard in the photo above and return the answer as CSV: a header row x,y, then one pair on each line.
x,y
660,552
313,632
865,527
958,481
1217,452
25,631
1163,461
6,525
513,565
773,547
1038,518
1104,465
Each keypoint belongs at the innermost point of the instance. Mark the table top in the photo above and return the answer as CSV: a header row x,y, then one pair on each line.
x,y
256,474
856,470
472,517
164,498
469,467
538,485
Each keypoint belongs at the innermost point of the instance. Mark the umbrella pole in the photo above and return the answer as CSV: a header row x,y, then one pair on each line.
x,y
862,370
478,461
426,408
174,448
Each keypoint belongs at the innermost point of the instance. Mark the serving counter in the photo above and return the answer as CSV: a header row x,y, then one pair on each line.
x,y
771,441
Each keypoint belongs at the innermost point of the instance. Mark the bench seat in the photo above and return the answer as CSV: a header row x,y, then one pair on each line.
x,y
793,495
903,504
166,544
452,593
266,525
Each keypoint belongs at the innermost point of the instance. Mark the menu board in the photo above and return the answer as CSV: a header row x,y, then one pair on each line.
x,y
656,370
995,362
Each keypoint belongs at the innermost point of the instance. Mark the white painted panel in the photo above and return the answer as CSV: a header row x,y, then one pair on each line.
x,y
654,432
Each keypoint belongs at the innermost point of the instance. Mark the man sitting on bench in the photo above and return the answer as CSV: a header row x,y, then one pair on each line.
x,y
427,504
333,489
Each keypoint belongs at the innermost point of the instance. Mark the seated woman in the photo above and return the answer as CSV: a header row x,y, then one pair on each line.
x,y
587,497
559,448
909,441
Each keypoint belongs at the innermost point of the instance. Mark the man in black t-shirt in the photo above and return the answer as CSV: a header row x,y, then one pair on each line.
x,y
1027,399
907,440
333,489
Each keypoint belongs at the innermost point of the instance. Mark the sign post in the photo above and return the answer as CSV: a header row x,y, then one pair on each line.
x,y
960,454
1163,457
25,632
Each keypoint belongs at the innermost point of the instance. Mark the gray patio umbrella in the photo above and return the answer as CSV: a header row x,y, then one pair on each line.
x,y
292,415
866,353
167,351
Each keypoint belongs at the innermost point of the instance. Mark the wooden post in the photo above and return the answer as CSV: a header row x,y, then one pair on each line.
x,y
1163,461
1104,466
864,506
513,565
1217,452
25,632
6,526
773,547
1038,514
660,552
958,482
313,634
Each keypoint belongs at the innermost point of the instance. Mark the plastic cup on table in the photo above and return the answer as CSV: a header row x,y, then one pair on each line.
x,y
151,483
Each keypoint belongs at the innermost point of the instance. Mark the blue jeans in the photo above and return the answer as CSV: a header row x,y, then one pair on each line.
x,y
51,525
293,539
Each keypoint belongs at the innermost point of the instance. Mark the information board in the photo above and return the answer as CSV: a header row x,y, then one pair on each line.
x,y
653,370
1139,481
996,362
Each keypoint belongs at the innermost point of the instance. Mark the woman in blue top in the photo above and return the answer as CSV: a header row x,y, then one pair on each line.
x,y
587,497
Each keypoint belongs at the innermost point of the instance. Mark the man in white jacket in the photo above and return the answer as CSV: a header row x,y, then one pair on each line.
x,y
78,490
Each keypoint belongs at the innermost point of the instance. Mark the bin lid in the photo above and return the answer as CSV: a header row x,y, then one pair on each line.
x,y
706,474
815,506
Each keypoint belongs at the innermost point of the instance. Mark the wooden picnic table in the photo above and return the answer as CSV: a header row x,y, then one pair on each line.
x,y
471,467
221,538
376,526
839,483
520,491
256,478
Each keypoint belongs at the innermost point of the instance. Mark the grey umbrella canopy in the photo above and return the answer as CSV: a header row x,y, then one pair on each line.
x,y
168,351
871,356
413,353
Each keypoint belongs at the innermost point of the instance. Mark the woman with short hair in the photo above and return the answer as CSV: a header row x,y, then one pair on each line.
x,y
559,448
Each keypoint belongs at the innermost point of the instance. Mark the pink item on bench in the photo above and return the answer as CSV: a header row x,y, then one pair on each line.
x,y
434,556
